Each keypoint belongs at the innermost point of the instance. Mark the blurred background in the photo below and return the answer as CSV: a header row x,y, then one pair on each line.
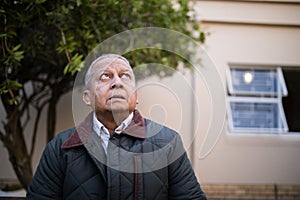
x,y
255,48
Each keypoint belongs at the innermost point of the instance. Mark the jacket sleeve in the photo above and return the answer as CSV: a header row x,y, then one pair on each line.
x,y
183,183
47,182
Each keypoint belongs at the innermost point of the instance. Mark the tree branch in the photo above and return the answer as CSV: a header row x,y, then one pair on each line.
x,y
26,107
37,119
68,55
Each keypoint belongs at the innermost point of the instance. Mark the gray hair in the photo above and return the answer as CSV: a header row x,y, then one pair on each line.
x,y
102,57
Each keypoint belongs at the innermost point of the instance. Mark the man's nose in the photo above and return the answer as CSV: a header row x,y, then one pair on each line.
x,y
117,83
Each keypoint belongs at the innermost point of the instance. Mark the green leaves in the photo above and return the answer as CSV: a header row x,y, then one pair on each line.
x,y
8,88
12,84
17,55
74,65
40,1
14,56
49,39
10,61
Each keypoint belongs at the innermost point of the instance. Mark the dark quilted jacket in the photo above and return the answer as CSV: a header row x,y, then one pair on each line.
x,y
146,161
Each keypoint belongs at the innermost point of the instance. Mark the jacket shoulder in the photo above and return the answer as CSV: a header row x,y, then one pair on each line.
x,y
161,134
155,127
60,138
63,136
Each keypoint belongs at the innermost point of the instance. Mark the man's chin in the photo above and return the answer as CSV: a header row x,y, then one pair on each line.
x,y
116,109
119,110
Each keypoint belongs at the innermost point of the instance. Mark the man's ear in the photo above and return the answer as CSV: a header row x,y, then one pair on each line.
x,y
86,97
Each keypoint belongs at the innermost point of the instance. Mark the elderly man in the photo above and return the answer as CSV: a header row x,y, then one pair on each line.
x,y
115,153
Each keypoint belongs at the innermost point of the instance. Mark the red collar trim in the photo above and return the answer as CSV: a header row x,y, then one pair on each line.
x,y
82,133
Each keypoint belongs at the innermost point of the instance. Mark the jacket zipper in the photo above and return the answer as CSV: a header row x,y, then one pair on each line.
x,y
136,178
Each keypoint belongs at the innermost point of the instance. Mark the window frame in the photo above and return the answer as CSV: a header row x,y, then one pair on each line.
x,y
281,115
282,92
256,97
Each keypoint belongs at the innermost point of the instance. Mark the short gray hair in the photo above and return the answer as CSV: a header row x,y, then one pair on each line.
x,y
88,74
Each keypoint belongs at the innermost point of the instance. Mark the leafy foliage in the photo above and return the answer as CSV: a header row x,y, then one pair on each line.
x,y
44,43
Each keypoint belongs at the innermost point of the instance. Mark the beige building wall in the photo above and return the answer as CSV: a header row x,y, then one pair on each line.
x,y
252,33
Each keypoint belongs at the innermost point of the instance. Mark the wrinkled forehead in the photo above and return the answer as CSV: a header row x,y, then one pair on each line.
x,y
108,63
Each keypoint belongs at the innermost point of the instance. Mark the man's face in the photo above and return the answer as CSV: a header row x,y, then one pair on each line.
x,y
112,87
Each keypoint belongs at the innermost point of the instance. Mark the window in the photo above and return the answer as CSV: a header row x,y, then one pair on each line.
x,y
291,103
254,102
264,82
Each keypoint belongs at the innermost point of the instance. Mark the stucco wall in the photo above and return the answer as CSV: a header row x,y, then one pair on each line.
x,y
251,33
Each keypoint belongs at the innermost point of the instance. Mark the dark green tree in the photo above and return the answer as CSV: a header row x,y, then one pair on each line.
x,y
43,45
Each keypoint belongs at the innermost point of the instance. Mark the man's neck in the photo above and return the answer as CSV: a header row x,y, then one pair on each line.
x,y
111,120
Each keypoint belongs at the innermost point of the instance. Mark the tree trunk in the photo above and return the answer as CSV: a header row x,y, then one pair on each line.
x,y
17,150
51,117
14,141
21,163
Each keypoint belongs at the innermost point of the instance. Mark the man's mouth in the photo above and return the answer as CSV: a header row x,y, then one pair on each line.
x,y
116,97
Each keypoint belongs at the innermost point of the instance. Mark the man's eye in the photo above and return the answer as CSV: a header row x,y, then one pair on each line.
x,y
126,76
104,76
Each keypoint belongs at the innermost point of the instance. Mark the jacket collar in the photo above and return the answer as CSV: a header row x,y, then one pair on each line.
x,y
82,133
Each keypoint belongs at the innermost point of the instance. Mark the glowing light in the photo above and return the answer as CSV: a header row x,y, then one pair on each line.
x,y
248,77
